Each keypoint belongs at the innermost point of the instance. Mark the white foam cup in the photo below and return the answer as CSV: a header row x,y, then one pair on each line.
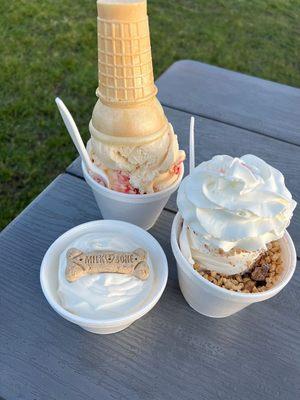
x,y
213,301
140,209
50,267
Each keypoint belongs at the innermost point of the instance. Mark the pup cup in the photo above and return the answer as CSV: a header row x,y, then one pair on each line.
x,y
107,302
229,237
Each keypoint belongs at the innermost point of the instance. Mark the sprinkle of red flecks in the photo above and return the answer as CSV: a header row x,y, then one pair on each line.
x,y
120,181
247,166
176,169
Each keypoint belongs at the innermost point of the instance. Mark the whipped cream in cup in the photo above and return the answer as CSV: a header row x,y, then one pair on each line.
x,y
232,207
105,294
107,302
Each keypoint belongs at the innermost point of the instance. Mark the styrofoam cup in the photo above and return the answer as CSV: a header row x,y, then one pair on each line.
x,y
139,209
50,266
213,301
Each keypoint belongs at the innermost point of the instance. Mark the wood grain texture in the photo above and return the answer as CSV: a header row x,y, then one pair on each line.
x,y
237,99
171,353
217,138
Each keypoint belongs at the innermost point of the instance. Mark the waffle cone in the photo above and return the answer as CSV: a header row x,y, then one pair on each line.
x,y
124,53
127,105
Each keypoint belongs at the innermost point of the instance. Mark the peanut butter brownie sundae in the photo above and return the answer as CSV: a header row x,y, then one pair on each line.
x,y
234,212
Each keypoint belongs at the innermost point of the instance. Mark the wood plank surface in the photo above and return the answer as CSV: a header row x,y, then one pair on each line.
x,y
237,99
171,353
213,138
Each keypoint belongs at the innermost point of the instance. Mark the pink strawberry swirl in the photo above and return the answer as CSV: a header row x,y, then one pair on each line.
x,y
120,180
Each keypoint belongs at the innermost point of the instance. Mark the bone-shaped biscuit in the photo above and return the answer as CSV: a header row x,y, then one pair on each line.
x,y
80,263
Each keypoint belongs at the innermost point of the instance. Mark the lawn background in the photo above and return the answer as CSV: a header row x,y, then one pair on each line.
x,y
48,48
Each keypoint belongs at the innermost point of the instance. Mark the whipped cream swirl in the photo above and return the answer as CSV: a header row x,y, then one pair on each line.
x,y
236,203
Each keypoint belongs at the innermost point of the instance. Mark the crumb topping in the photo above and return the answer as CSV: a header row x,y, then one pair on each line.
x,y
261,277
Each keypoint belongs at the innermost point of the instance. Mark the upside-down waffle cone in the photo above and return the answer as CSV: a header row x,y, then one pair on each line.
x,y
127,105
124,53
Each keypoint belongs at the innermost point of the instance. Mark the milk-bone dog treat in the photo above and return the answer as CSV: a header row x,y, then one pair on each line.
x,y
80,263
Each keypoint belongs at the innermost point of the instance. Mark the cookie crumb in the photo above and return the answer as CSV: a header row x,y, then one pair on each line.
x,y
261,277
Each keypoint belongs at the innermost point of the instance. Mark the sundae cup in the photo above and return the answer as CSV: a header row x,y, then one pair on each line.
x,y
229,237
131,138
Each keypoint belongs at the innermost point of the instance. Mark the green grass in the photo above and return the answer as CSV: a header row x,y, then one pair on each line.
x,y
48,48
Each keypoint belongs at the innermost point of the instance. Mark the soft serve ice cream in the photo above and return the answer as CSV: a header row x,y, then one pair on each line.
x,y
105,295
232,208
145,168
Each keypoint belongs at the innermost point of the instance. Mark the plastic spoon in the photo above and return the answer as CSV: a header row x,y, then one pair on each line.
x,y
76,138
192,144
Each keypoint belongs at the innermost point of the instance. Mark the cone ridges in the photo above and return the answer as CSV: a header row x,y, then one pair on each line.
x,y
125,61
127,110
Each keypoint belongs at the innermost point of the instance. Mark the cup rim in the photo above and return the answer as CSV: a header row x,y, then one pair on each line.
x,y
130,196
133,316
238,295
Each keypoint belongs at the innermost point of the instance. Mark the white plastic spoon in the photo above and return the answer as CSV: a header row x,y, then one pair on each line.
x,y
76,138
192,144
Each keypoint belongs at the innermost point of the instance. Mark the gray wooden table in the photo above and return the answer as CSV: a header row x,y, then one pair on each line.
x,y
172,352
